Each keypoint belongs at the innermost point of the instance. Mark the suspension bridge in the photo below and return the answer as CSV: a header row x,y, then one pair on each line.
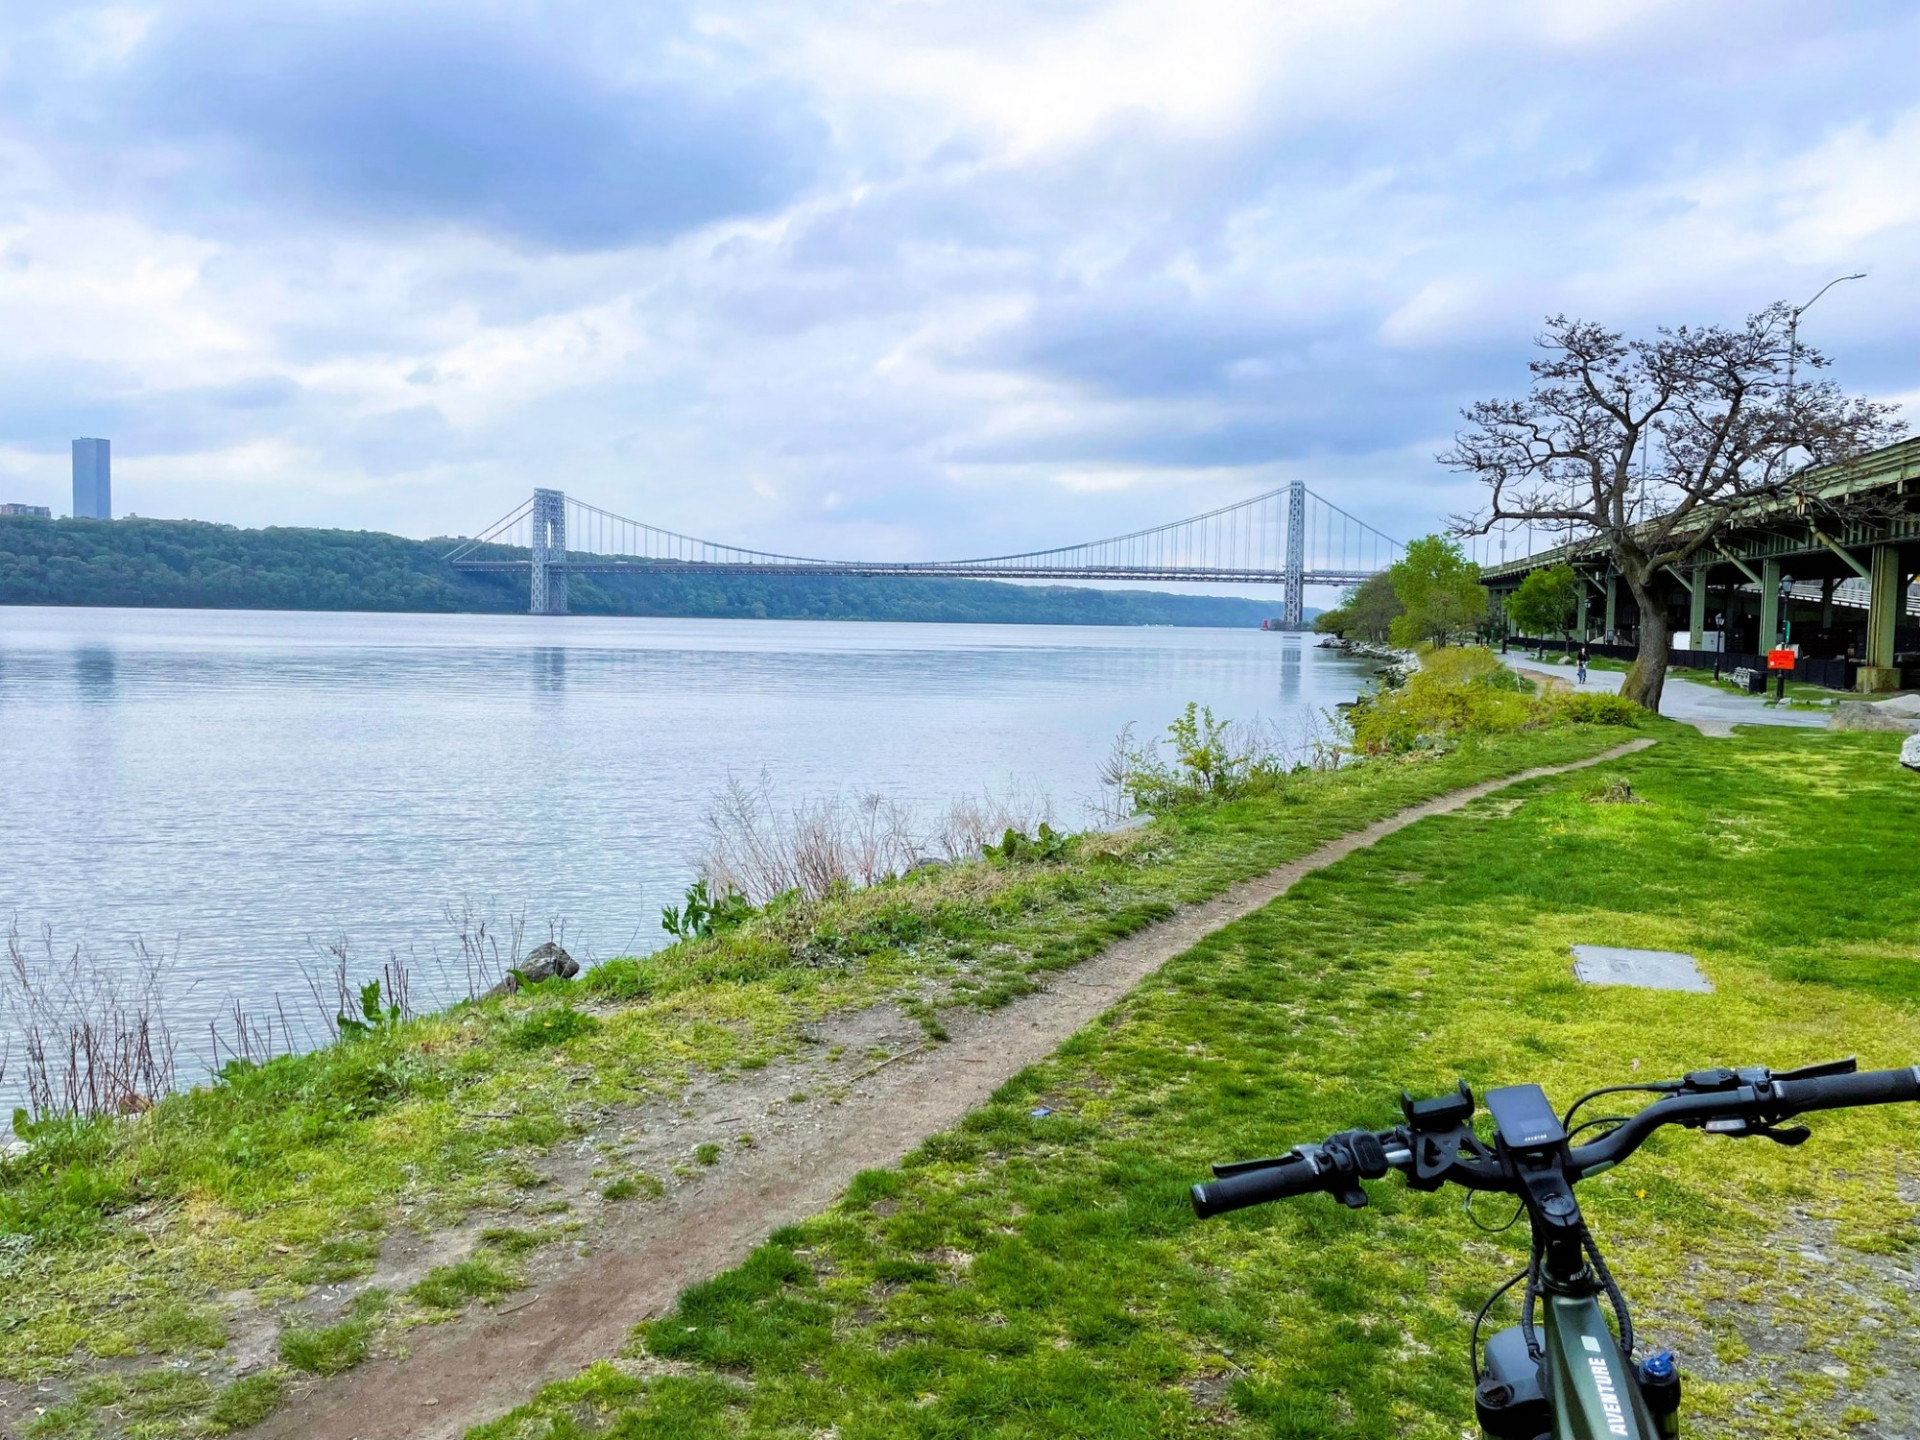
x,y
1289,537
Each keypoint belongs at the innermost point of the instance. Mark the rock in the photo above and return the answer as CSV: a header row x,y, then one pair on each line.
x,y
543,962
1865,715
1910,753
1905,707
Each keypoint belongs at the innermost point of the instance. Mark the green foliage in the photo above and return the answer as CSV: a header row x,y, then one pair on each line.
x,y
448,1287
196,565
1466,691
1593,707
551,1025
244,1403
1366,612
1547,602
1212,760
372,1017
1045,844
702,916
707,1154
1439,590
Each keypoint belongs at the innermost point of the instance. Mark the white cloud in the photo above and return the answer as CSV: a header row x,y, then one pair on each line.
x,y
1056,270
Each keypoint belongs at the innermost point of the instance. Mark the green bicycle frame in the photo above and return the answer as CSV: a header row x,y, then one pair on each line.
x,y
1590,1384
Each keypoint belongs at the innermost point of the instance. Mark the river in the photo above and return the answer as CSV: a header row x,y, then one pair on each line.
x,y
237,790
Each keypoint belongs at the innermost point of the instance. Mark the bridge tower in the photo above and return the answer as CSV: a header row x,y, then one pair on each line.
x,y
549,554
1294,613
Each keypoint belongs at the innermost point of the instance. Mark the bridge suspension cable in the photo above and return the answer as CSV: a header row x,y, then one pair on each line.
x,y
1289,536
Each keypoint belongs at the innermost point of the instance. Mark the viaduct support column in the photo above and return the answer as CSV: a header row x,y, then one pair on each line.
x,y
1613,600
1583,610
1769,605
1885,592
1697,611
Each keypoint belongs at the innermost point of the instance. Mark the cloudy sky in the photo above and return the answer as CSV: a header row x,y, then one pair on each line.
x,y
899,279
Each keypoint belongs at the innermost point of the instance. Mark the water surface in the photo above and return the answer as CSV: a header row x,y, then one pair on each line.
x,y
239,788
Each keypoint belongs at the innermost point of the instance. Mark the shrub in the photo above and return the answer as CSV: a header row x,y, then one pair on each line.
x,y
702,915
1211,760
1466,691
1593,708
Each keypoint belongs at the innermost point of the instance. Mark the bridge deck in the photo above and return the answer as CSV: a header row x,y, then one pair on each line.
x,y
601,566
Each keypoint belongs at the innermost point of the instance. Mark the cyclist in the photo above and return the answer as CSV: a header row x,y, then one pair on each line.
x,y
1565,1375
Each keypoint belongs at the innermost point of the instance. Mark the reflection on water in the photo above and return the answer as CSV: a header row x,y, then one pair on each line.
x,y
237,786
93,672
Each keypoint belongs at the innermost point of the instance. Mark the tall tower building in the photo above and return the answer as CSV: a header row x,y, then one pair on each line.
x,y
92,480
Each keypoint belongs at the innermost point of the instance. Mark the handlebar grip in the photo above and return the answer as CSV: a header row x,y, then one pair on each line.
x,y
1835,1092
1256,1187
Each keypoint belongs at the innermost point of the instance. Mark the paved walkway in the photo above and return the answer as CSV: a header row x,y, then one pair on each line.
x,y
1709,709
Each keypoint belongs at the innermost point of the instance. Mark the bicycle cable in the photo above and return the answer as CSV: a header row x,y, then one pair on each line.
x,y
1473,1339
1618,1300
1651,1087
1519,1209
1586,1125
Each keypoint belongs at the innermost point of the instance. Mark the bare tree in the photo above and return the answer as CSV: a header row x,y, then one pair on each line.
x,y
1655,447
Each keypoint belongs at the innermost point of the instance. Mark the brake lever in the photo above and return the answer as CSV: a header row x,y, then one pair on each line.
x,y
1847,1066
1222,1169
1747,1129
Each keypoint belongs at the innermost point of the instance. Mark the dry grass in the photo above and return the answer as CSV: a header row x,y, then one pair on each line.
x,y
759,845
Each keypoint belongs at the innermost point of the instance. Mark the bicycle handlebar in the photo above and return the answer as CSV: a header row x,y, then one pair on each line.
x,y
1735,1103
1759,1105
1256,1187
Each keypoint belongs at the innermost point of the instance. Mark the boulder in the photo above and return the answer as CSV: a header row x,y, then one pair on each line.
x,y
1864,715
1907,707
1910,753
543,962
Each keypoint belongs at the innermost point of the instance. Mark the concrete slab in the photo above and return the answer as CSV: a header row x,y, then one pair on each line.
x,y
1644,969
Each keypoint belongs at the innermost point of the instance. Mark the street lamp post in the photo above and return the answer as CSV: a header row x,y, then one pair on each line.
x,y
1793,326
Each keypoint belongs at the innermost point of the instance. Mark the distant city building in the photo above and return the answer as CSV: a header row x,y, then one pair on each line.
x,y
37,512
92,480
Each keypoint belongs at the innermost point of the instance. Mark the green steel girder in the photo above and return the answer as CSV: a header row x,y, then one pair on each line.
x,y
1777,532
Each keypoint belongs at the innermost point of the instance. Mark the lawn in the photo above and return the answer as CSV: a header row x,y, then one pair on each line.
x,y
131,1249
1037,1272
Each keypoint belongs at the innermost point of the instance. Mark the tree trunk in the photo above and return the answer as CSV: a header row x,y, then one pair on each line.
x,y
1647,677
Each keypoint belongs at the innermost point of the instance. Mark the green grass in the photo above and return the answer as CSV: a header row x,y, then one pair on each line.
x,y
286,1176
245,1402
1024,1276
449,1287
329,1349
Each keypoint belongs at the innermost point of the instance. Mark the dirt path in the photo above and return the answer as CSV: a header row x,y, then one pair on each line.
x,y
632,1261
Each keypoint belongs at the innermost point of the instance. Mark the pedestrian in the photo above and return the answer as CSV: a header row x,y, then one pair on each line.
x,y
1583,664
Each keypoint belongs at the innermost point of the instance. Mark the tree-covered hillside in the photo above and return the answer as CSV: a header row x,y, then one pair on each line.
x,y
191,564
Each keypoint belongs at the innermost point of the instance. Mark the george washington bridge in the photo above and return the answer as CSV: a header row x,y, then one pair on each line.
x,y
1289,537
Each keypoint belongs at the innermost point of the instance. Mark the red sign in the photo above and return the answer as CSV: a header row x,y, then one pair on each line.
x,y
1780,659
